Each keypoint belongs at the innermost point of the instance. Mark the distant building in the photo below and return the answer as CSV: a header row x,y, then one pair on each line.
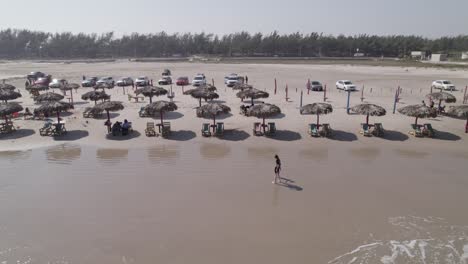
x,y
438,57
464,55
418,55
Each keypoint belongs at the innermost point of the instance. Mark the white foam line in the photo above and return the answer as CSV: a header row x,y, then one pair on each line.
x,y
356,250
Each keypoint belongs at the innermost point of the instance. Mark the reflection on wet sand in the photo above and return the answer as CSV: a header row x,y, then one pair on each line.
x,y
365,153
14,155
262,152
409,153
166,153
111,156
214,151
63,154
317,154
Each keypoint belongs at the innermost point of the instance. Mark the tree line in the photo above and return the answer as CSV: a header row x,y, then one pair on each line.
x,y
21,44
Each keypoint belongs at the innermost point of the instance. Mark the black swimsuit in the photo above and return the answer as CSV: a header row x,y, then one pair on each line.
x,y
278,166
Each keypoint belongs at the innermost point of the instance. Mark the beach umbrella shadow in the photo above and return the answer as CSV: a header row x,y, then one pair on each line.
x,y
172,115
131,135
72,135
182,135
235,135
340,135
286,135
20,133
443,135
392,135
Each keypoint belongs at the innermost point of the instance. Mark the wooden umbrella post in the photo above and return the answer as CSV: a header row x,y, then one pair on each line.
x,y
362,94
325,93
275,86
464,95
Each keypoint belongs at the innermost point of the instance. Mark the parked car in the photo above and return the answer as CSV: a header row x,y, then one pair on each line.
x,y
57,83
182,81
166,72
443,85
125,81
90,82
226,78
108,80
316,86
165,80
142,81
35,75
234,80
199,80
345,85
43,80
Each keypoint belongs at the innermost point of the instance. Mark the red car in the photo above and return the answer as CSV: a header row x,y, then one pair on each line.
x,y
182,81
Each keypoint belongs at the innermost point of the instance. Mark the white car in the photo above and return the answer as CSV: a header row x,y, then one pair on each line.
x,y
57,83
199,80
166,80
107,80
234,80
226,78
142,81
124,81
443,85
345,85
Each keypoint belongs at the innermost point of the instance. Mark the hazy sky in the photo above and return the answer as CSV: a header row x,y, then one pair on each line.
x,y
431,18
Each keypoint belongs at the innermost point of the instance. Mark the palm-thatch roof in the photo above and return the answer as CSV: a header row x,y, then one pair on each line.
x,y
242,86
9,108
202,93
160,107
418,111
150,91
210,110
111,106
53,107
95,96
458,111
37,87
48,97
263,110
252,94
6,86
316,109
7,94
69,86
442,96
369,109
103,85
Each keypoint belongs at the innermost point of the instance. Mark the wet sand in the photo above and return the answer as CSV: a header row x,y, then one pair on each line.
x,y
214,203
87,199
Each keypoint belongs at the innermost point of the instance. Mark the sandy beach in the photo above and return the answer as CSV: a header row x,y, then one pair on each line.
x,y
87,198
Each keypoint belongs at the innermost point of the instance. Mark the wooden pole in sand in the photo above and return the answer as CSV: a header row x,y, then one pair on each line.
x,y
286,92
395,101
301,100
431,88
464,95
347,104
325,93
275,86
308,86
212,81
362,94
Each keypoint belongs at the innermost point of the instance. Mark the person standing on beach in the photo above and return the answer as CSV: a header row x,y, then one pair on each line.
x,y
246,79
277,170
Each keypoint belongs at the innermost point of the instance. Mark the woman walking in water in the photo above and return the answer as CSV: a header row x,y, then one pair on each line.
x,y
277,170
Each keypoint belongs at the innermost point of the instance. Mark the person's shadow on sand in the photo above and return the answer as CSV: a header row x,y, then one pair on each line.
x,y
288,183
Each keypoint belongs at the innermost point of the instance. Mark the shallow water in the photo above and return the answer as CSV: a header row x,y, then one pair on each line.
x,y
214,203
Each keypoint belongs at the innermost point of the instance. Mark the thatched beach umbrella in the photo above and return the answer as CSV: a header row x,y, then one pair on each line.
x,y
95,96
37,87
316,109
369,110
53,106
150,91
7,109
6,94
70,87
202,93
242,86
211,110
110,106
460,111
48,97
6,86
252,94
160,107
442,96
263,111
418,111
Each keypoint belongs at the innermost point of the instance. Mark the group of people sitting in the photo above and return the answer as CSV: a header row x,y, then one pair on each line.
x,y
244,109
119,128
